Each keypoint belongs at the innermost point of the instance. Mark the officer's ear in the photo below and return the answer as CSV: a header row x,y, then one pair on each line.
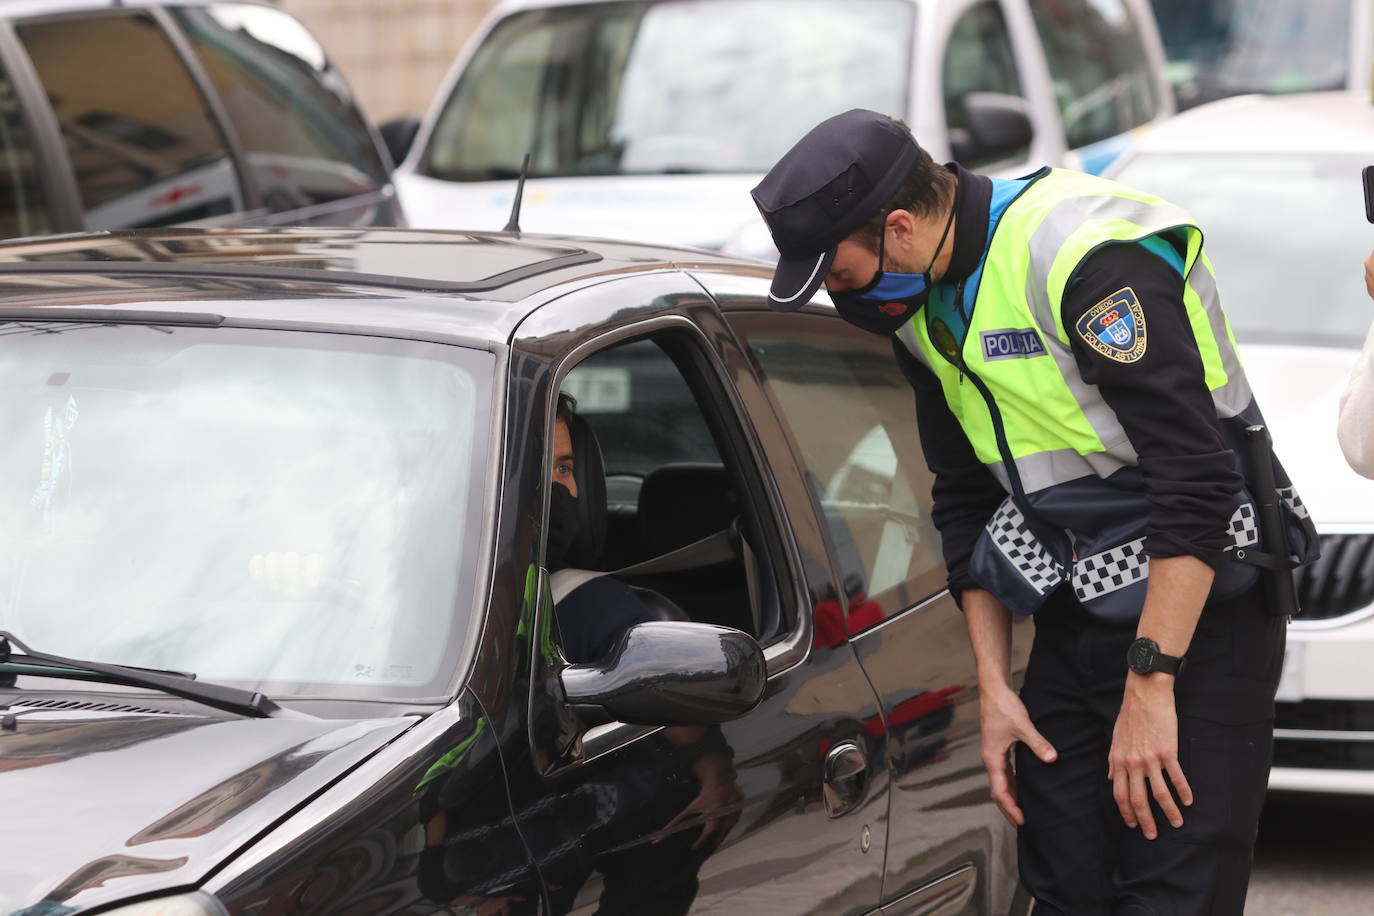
x,y
901,234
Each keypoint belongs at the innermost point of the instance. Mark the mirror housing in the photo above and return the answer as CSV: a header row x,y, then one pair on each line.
x,y
999,127
398,134
672,673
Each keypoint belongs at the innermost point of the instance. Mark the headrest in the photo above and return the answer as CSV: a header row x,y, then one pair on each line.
x,y
589,470
682,503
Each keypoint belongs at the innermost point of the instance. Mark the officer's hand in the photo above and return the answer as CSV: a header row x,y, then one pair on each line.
x,y
1369,275
1145,748
1004,722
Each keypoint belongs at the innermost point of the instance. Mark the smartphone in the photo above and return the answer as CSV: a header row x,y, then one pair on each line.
x,y
1369,193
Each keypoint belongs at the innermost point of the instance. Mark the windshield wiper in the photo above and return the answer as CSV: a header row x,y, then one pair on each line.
x,y
178,684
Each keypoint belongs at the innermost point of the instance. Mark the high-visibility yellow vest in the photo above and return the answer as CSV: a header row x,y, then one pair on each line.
x,y
1077,509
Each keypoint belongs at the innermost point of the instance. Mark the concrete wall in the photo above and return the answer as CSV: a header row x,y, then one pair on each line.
x,y
393,52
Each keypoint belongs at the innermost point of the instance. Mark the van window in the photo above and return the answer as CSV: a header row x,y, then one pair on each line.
x,y
143,148
1101,74
614,88
305,140
853,416
978,58
23,210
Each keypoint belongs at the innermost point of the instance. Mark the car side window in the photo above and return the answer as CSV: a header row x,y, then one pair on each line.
x,y
979,58
1101,74
144,150
23,209
852,414
305,141
675,477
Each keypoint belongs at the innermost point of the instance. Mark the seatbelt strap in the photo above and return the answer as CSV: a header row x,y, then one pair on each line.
x,y
712,549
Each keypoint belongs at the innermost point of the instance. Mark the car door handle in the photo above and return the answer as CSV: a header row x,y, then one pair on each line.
x,y
846,778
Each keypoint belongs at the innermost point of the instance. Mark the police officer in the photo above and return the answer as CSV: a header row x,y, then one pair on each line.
x,y
1082,406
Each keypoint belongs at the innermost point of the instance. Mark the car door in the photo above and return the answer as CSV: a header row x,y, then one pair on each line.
x,y
850,417
984,96
783,810
1106,64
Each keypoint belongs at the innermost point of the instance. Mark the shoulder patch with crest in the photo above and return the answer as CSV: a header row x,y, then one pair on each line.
x,y
1115,327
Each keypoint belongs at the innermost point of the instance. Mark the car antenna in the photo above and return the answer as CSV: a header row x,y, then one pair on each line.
x,y
513,227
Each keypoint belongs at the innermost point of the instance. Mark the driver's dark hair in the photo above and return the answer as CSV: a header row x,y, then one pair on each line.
x,y
567,408
924,190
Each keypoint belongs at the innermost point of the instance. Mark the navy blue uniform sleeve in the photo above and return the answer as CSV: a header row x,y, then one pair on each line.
x,y
1191,477
965,493
593,615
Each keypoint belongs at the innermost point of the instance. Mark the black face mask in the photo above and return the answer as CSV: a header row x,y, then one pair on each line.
x,y
565,523
890,299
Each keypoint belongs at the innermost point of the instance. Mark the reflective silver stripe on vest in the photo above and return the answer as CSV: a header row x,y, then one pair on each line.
x,y
1046,469
1233,397
1067,217
1014,540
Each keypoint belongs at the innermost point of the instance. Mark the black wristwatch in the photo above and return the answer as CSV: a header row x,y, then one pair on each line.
x,y
1144,657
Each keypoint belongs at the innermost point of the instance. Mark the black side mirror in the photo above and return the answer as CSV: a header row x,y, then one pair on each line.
x,y
398,135
672,673
999,127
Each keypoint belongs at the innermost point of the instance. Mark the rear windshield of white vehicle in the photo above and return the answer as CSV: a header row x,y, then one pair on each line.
x,y
1218,48
293,512
1286,235
667,87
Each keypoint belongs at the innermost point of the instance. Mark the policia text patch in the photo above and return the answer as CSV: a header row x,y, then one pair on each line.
x,y
1115,327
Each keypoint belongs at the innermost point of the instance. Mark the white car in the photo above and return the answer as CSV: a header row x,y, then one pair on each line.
x,y
1274,182
654,118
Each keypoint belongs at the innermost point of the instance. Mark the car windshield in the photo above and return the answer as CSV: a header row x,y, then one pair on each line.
x,y
1227,47
1286,235
667,87
289,511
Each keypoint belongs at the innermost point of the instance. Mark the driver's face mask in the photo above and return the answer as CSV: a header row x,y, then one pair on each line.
x,y
565,523
890,299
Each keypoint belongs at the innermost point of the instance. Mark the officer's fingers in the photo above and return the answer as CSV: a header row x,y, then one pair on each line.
x,y
1003,783
1037,743
1160,790
1181,787
1140,803
1121,794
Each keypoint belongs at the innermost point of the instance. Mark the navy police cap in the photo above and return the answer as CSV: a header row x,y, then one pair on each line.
x,y
833,181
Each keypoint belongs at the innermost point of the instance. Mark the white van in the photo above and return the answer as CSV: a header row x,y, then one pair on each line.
x,y
654,118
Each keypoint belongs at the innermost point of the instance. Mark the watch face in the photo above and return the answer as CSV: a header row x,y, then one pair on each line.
x,y
1141,658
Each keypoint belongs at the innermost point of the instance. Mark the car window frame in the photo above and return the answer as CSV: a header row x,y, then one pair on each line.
x,y
62,196
792,646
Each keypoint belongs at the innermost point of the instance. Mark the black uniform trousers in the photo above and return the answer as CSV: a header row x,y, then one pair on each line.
x,y
1077,856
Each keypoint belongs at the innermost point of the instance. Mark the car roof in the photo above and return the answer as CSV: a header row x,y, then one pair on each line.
x,y
1335,123
464,286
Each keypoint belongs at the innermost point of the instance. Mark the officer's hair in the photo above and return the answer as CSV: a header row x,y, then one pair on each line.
x,y
567,408
926,188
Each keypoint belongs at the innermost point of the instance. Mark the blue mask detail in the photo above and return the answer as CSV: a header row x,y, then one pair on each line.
x,y
891,299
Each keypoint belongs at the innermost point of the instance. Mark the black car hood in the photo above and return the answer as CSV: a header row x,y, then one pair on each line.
x,y
101,805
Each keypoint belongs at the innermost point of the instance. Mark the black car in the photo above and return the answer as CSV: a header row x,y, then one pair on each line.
x,y
124,115
278,635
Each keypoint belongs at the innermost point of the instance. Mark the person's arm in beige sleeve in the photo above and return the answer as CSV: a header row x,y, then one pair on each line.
x,y
1355,428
